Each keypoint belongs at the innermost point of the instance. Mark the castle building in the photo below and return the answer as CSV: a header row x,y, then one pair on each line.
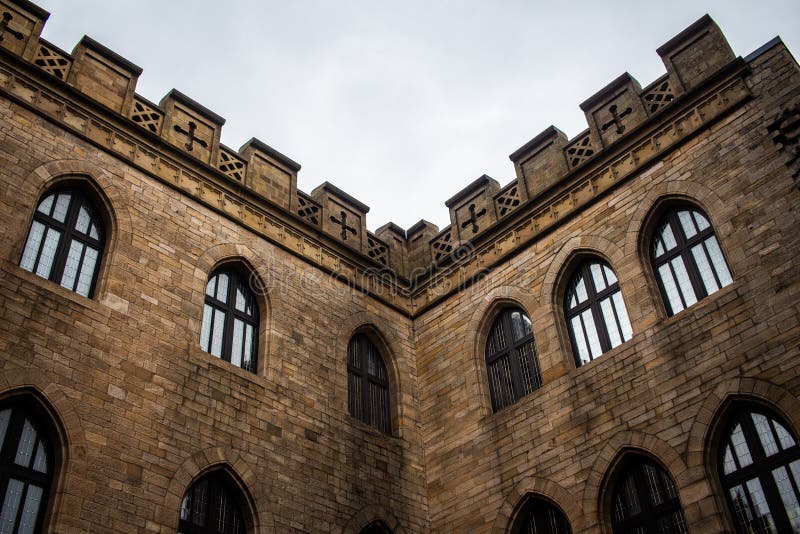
x,y
608,343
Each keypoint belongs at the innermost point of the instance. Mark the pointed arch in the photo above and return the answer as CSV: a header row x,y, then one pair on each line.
x,y
533,487
236,468
394,352
372,514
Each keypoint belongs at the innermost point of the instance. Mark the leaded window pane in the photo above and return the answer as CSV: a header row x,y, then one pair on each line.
x,y
599,321
24,470
64,242
211,506
759,467
368,384
229,329
692,266
512,366
540,517
645,500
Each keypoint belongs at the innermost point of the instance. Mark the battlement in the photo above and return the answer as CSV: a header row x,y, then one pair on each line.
x,y
188,135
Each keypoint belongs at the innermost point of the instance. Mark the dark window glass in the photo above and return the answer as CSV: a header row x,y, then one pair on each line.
x,y
368,384
230,319
211,506
541,517
687,259
759,467
26,471
376,527
645,500
511,362
65,241
596,315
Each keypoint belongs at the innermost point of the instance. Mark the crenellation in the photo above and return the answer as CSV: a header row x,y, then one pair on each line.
x,y
191,127
541,162
21,24
343,217
614,110
695,54
395,238
147,114
52,59
472,210
419,237
105,75
271,174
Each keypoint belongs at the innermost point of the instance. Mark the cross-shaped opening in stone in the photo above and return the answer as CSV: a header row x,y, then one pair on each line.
x,y
4,26
190,134
473,218
615,118
343,223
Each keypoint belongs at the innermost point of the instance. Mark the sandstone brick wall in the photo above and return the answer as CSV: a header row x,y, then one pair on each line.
x,y
144,409
658,392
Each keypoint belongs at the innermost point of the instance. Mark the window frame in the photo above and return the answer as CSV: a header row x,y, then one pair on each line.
x,y
683,249
592,303
218,483
533,505
68,233
649,514
20,412
236,278
761,467
365,378
502,318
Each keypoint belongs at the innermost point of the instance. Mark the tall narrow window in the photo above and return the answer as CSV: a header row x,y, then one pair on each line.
x,y
595,312
511,361
26,470
759,467
644,500
368,384
230,319
65,242
687,259
212,506
541,517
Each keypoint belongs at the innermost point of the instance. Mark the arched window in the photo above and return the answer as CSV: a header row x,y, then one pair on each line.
x,y
541,517
644,499
212,505
65,241
230,319
26,469
687,258
368,384
511,361
595,311
759,467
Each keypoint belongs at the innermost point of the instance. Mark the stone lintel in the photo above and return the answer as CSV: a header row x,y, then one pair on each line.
x,y
270,173
695,54
540,162
24,27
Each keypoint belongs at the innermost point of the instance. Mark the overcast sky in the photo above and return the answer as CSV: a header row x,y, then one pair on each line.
x,y
401,104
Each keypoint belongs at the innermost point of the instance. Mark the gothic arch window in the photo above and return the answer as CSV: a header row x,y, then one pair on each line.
x,y
644,499
595,312
26,468
368,384
759,468
687,258
230,318
539,516
65,241
212,505
511,361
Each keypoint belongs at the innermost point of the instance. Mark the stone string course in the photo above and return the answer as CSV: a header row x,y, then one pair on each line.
x,y
141,411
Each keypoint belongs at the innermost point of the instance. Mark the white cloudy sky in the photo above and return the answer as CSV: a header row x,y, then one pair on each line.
x,y
401,104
